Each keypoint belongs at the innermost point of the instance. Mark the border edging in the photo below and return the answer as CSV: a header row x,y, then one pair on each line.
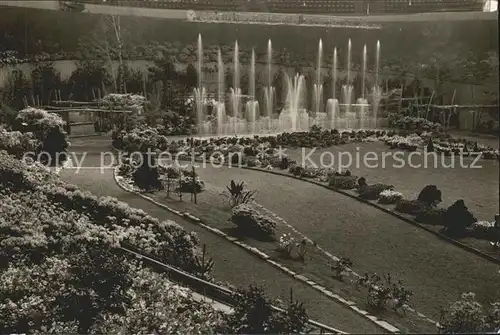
x,y
301,278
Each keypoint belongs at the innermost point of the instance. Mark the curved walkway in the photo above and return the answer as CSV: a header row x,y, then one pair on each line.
x,y
233,265
375,241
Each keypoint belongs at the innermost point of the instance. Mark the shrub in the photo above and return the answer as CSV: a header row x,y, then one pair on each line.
x,y
372,192
47,128
250,221
302,249
343,173
343,182
286,244
186,184
253,314
250,151
46,80
413,207
469,316
285,163
340,267
458,218
382,293
390,197
170,171
362,182
88,76
430,195
17,143
296,170
431,216
252,161
147,175
486,230
126,168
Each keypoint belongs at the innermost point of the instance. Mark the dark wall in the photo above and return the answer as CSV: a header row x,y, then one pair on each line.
x,y
31,31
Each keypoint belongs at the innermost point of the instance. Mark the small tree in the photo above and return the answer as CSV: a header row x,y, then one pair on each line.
x,y
430,195
430,146
190,77
340,267
46,80
16,90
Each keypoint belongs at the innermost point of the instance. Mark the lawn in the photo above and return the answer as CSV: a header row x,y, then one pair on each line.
x,y
478,187
436,271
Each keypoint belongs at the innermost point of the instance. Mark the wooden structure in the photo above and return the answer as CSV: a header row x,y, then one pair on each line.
x,y
95,109
444,114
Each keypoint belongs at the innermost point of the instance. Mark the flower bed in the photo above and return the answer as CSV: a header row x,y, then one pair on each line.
x,y
60,255
124,101
387,197
415,123
130,225
264,147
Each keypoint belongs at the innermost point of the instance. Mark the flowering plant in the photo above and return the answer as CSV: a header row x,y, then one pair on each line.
x,y
389,197
286,244
124,101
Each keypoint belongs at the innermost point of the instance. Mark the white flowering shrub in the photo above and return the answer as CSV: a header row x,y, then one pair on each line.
x,y
130,101
60,256
409,122
48,128
17,143
389,197
166,240
286,244
468,316
251,221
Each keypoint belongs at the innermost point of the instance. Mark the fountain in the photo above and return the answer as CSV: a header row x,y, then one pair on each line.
x,y
269,92
376,95
200,96
318,87
199,92
200,61
332,105
220,107
252,105
362,103
294,117
245,118
347,89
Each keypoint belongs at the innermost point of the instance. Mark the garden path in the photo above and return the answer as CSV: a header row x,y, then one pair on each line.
x,y
232,263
